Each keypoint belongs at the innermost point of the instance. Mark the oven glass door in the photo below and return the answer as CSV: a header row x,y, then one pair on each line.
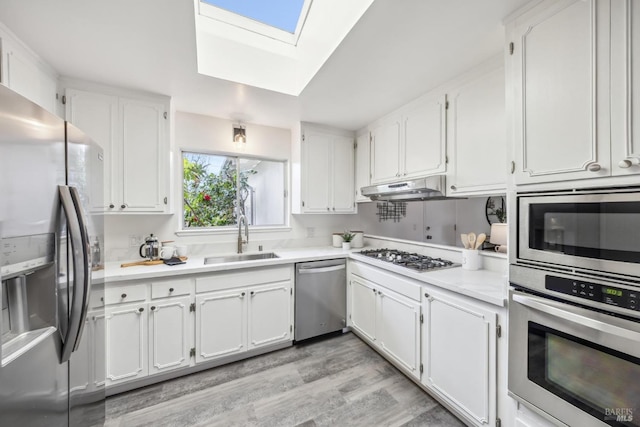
x,y
602,382
592,231
578,365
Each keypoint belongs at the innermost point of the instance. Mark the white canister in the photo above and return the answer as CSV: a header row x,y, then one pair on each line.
x,y
471,259
337,240
358,239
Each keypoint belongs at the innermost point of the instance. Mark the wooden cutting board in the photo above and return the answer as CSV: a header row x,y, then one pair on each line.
x,y
147,262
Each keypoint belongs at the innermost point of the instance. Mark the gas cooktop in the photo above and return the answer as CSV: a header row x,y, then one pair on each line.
x,y
413,261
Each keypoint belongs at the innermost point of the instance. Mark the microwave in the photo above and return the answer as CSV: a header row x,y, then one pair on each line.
x,y
592,232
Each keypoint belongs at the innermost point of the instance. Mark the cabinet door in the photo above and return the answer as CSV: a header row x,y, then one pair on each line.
x,y
362,306
363,168
99,352
342,176
476,130
560,70
97,116
459,354
625,88
316,152
398,329
385,151
27,77
169,337
424,149
126,343
270,314
144,150
221,325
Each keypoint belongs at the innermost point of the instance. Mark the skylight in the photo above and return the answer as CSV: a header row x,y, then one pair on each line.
x,y
247,42
282,14
277,19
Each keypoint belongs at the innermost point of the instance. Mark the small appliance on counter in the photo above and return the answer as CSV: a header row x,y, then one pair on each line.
x,y
150,249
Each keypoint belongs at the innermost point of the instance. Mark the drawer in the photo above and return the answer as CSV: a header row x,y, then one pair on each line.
x,y
170,288
124,294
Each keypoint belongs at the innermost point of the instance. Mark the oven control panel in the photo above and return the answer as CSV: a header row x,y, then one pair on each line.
x,y
623,298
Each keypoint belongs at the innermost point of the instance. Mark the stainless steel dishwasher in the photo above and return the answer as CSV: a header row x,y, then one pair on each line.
x,y
321,298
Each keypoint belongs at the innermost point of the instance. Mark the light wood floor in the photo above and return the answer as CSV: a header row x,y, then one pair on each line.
x,y
338,381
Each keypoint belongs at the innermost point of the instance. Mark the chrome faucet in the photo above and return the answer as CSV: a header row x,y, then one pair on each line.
x,y
242,219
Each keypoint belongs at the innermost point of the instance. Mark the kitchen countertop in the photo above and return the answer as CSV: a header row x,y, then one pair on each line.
x,y
484,285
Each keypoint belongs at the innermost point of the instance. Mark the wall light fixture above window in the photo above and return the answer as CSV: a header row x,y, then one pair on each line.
x,y
239,133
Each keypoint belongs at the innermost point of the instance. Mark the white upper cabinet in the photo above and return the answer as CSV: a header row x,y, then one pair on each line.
x,y
560,81
327,171
385,150
424,135
410,142
25,73
625,88
134,134
476,135
363,167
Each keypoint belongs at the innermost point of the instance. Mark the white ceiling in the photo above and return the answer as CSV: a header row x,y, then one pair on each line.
x,y
398,50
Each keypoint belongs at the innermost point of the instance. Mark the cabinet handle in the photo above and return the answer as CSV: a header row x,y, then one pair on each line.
x,y
111,206
170,289
374,291
328,208
513,167
123,296
252,293
123,206
627,163
334,208
594,167
153,308
454,188
242,295
141,309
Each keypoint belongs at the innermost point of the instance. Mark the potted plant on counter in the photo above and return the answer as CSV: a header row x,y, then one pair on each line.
x,y
347,237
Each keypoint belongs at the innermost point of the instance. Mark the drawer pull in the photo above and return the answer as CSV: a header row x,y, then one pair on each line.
x,y
170,289
153,308
123,296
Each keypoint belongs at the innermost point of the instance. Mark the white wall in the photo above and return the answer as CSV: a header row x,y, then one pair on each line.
x,y
195,132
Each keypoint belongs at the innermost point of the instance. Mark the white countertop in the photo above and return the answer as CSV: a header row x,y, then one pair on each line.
x,y
485,285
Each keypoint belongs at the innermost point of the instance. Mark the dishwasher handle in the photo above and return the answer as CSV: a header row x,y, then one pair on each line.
x,y
314,270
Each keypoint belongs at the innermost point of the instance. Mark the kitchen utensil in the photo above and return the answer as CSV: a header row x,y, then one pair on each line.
x,y
167,252
465,240
480,240
471,259
472,240
150,249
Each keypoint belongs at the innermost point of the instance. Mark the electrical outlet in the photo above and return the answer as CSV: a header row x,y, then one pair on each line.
x,y
135,240
311,231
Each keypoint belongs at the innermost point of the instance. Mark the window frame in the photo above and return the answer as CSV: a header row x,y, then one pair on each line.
x,y
199,231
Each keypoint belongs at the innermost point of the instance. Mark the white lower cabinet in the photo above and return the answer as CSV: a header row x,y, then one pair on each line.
x,y
398,333
169,334
126,338
363,306
459,354
269,313
242,310
386,318
221,325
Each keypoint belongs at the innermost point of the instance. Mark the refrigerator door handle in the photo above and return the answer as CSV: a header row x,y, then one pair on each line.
x,y
81,262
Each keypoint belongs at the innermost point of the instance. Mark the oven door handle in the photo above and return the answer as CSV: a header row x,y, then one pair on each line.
x,y
550,307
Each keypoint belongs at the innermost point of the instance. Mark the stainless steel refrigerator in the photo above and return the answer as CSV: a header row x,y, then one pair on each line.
x,y
51,232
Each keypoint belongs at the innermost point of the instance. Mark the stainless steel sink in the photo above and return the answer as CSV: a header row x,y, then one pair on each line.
x,y
239,257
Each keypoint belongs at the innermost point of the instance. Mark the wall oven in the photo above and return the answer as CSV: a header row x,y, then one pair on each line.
x,y
574,307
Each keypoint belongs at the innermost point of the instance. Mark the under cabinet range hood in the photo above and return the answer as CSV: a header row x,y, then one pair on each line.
x,y
429,188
